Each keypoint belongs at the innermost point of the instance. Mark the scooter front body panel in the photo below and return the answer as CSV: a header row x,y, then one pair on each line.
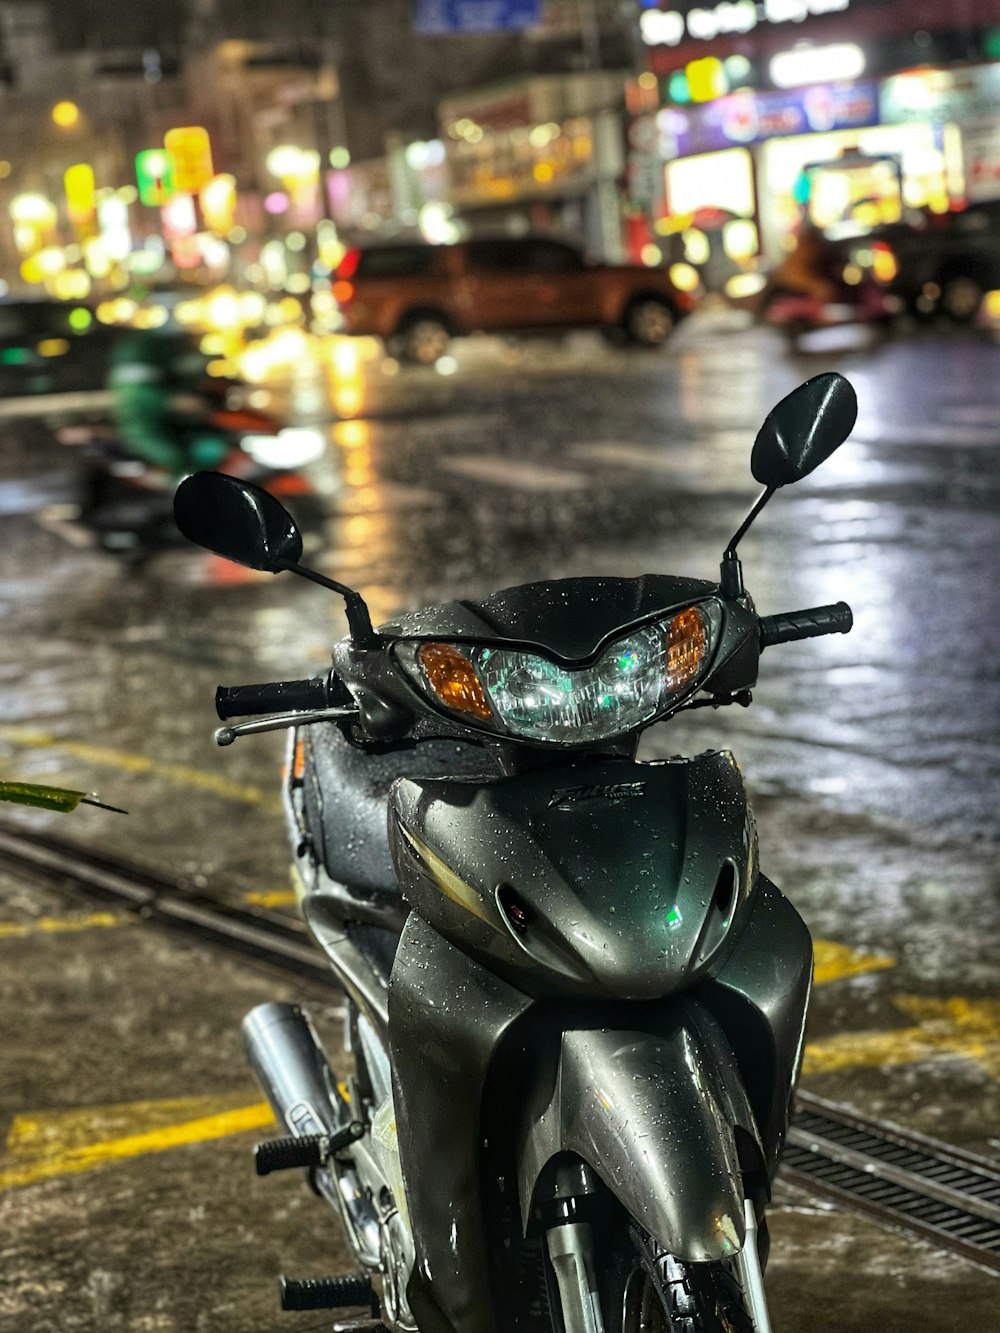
x,y
489,1083
599,878
653,1110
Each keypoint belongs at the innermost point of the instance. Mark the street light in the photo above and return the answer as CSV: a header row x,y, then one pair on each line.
x,y
298,171
66,115
32,210
293,166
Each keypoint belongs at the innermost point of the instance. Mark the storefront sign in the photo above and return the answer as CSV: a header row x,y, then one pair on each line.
x,y
748,118
192,154
440,17
981,148
942,95
669,26
644,172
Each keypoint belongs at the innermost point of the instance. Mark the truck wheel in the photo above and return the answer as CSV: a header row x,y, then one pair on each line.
x,y
649,321
423,339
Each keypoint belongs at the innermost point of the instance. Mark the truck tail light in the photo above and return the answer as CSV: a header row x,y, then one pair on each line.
x,y
348,266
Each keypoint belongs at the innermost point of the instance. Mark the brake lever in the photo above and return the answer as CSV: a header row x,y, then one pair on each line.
x,y
226,735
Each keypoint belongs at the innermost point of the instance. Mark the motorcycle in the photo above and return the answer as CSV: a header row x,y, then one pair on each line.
x,y
124,505
798,313
575,1004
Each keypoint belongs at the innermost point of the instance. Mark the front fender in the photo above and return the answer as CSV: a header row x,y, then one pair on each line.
x,y
654,1114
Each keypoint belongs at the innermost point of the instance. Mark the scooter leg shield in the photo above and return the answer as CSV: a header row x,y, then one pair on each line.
x,y
654,1115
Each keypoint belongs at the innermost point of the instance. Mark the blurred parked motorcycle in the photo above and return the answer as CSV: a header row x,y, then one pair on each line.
x,y
797,313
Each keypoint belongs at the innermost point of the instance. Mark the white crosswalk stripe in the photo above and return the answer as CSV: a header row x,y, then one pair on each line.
x,y
945,434
517,473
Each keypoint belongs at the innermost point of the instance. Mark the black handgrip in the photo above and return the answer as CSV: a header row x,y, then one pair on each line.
x,y
281,696
835,619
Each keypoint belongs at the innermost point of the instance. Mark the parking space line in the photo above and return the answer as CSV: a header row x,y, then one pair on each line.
x,y
57,925
833,961
138,763
272,898
949,1027
48,1143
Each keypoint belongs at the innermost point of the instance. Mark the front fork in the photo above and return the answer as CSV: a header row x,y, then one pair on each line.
x,y
570,1245
749,1272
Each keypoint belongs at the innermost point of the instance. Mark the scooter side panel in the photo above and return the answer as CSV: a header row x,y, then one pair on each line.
x,y
447,1016
345,794
759,995
653,1113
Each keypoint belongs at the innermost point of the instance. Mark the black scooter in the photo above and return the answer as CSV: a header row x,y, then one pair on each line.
x,y
575,1005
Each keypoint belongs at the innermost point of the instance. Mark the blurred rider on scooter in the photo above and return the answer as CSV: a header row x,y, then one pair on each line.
x,y
807,269
158,406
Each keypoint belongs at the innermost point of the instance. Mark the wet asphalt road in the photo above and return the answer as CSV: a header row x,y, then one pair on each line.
x,y
872,759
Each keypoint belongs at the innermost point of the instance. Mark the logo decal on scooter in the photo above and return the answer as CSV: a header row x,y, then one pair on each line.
x,y
611,791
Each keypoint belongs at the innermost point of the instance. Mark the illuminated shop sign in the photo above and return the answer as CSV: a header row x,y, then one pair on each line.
x,y
966,93
748,118
669,27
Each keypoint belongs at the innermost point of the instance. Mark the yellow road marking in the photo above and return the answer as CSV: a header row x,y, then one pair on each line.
x,y
56,925
272,898
138,763
47,1144
834,961
955,1026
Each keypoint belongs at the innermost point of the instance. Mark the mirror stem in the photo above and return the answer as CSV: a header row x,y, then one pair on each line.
x,y
731,571
731,576
759,504
358,617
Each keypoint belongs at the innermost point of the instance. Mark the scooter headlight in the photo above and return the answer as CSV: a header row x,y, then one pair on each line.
x,y
638,676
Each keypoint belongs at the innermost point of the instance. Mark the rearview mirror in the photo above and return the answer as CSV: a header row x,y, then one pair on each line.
x,y
803,430
238,521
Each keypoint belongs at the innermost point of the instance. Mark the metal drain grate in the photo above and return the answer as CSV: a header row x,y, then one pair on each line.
x,y
903,1179
904,1157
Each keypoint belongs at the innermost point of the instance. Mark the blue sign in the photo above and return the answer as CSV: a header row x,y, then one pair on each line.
x,y
438,17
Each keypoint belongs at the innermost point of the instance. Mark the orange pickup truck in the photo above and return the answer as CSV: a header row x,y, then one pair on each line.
x,y
417,297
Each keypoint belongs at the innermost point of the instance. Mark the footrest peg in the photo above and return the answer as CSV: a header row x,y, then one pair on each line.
x,y
306,1150
328,1293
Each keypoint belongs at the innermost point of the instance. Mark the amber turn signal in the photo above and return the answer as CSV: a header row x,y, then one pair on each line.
x,y
686,642
453,679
